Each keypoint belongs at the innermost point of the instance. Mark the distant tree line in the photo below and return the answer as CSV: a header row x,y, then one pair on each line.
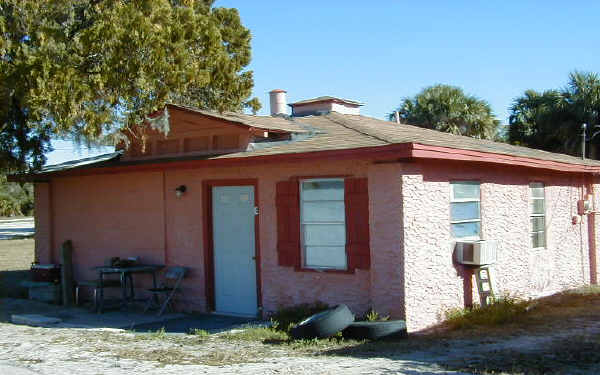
x,y
550,120
15,199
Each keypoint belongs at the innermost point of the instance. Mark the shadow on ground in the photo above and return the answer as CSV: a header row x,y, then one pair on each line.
x,y
131,319
10,283
189,323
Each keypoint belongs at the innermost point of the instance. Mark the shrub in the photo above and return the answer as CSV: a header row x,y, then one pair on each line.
x,y
504,310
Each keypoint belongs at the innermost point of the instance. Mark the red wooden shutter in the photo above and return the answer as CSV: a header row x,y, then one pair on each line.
x,y
357,223
288,223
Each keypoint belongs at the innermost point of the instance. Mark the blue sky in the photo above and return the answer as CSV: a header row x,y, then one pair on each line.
x,y
379,52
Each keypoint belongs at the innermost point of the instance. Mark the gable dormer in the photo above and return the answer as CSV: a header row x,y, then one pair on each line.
x,y
197,132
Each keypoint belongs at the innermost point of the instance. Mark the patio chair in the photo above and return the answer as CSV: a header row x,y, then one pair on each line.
x,y
173,278
95,286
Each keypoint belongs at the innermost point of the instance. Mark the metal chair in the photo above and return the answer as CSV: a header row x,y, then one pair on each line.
x,y
173,278
95,286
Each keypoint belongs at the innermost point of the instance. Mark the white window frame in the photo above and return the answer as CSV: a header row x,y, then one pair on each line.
x,y
302,223
532,215
464,200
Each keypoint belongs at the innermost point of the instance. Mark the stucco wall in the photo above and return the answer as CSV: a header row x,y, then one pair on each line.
x,y
434,283
412,273
138,214
386,232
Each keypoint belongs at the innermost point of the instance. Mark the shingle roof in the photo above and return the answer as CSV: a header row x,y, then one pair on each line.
x,y
332,132
260,122
341,131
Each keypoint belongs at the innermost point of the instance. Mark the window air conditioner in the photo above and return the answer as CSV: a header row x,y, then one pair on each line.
x,y
477,253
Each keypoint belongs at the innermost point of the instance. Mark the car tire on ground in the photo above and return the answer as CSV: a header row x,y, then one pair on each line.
x,y
324,324
383,330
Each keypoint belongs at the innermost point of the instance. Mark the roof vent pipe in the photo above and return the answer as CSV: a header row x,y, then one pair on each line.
x,y
278,100
397,117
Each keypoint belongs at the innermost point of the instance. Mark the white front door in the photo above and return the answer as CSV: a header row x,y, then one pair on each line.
x,y
234,250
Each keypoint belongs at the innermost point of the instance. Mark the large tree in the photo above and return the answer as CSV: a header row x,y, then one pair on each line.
x,y
448,109
90,67
551,120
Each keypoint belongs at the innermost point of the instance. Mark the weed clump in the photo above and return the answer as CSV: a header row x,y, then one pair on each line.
x,y
504,310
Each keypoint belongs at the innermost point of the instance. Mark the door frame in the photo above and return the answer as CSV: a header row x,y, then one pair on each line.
x,y
209,266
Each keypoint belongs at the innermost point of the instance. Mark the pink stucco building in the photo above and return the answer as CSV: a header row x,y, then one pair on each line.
x,y
325,205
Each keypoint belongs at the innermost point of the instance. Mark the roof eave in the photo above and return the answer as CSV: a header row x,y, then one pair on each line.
x,y
399,151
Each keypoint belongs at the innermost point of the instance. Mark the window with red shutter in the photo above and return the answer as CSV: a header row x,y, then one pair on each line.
x,y
288,224
357,223
323,223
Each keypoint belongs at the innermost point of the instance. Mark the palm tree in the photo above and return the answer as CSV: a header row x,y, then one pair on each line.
x,y
448,109
552,120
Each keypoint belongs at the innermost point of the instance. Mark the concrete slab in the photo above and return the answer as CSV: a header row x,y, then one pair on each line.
x,y
76,317
35,320
208,322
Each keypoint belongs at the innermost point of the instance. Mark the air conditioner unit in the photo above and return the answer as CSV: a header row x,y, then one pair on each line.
x,y
477,253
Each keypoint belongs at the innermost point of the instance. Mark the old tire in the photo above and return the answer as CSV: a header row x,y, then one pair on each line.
x,y
324,324
384,330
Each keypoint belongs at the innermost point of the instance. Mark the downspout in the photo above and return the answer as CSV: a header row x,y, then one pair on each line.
x,y
592,246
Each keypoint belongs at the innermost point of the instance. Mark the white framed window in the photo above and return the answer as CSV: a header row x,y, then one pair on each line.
x,y
323,223
537,214
465,209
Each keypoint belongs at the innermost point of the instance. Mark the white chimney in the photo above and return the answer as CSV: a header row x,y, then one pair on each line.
x,y
278,102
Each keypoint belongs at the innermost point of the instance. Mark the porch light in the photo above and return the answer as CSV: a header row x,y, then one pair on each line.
x,y
179,190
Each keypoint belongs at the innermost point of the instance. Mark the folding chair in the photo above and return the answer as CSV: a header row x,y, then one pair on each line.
x,y
95,286
173,276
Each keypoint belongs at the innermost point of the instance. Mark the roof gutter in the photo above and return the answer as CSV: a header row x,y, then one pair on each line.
x,y
400,151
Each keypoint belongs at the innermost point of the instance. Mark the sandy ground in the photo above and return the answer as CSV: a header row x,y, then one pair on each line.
x,y
28,350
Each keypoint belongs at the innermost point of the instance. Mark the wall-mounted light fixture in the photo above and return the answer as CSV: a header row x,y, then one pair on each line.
x,y
179,190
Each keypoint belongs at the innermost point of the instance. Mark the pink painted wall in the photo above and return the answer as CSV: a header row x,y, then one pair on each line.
x,y
126,215
434,284
412,274
43,222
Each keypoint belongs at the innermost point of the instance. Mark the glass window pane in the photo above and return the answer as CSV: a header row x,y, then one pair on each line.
x,y
464,211
465,190
325,211
466,230
323,190
537,190
333,257
538,239
537,206
324,235
537,224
